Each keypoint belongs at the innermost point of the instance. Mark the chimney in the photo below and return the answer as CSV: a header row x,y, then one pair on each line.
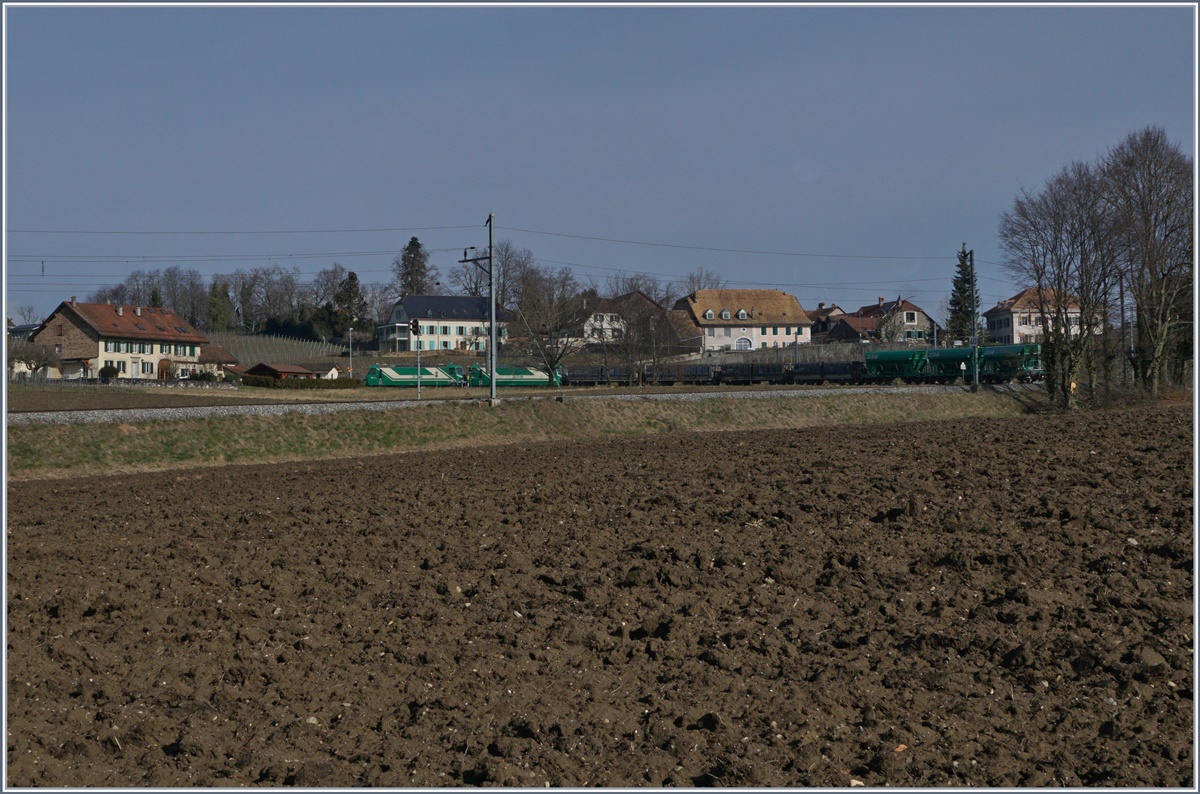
x,y
72,300
137,310
820,306
120,311
880,300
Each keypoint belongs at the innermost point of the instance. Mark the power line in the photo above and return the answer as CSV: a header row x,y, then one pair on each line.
x,y
231,232
717,250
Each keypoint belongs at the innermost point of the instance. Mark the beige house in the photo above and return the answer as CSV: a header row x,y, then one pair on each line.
x,y
745,319
139,341
1018,320
609,319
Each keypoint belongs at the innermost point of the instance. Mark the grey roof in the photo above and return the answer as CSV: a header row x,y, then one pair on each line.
x,y
443,307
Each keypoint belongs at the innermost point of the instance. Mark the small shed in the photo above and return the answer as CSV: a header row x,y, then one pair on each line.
x,y
281,371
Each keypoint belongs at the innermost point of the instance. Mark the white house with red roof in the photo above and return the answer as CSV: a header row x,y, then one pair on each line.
x,y
139,341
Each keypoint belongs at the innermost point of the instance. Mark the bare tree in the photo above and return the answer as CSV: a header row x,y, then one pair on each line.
x,y
1059,241
29,315
891,324
1148,185
469,278
324,285
699,279
550,314
36,358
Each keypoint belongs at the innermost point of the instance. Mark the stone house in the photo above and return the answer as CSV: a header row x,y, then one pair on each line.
x,y
141,342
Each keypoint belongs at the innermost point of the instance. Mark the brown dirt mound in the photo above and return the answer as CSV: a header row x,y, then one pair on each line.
x,y
1000,602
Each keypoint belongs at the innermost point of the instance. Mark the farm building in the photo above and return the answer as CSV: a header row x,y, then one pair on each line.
x,y
745,319
139,341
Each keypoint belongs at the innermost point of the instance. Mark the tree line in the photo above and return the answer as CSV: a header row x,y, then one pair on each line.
x,y
1110,240
544,304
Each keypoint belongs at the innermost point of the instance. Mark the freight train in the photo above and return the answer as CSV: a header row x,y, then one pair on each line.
x,y
997,364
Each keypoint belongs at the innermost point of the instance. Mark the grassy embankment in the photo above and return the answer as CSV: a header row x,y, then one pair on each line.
x,y
40,451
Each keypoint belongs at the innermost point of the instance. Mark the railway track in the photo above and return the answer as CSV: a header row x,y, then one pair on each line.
x,y
135,414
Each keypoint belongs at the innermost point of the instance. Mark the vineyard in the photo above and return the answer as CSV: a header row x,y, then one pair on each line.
x,y
252,349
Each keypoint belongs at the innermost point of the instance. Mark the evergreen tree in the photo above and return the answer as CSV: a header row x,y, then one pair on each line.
x,y
220,307
414,275
349,305
964,299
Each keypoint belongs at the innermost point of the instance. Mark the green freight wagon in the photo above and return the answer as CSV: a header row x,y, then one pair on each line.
x,y
947,364
884,366
448,375
1006,363
514,376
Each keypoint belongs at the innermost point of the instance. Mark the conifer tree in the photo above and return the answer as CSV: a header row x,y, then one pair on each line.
x,y
964,299
414,275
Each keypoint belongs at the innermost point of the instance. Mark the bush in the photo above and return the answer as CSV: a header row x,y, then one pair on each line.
x,y
261,381
320,383
204,376
109,371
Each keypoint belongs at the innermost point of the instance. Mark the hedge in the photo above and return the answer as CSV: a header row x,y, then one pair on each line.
x,y
267,382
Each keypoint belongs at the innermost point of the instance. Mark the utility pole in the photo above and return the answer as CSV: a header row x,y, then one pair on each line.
x,y
492,310
491,271
974,325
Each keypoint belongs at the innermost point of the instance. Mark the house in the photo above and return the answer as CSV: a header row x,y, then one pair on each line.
x,y
1018,320
328,371
139,341
745,319
824,317
21,332
849,328
216,359
447,322
609,319
281,371
898,320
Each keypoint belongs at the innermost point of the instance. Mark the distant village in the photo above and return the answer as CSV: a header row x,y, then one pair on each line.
x,y
81,340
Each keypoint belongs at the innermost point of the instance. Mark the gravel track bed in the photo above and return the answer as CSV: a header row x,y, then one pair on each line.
x,y
205,412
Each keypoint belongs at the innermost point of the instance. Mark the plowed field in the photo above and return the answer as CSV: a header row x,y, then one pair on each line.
x,y
992,602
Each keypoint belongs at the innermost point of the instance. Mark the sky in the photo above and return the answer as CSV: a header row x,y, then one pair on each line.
x,y
840,154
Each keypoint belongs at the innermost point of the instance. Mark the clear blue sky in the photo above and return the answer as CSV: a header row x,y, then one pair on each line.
x,y
860,146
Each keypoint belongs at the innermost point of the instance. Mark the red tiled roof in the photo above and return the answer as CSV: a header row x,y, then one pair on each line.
x,y
134,322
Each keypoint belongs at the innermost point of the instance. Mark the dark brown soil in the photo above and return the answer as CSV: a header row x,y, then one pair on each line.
x,y
1001,603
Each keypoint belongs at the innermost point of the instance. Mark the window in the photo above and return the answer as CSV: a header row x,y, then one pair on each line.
x,y
910,317
147,368
60,333
742,343
725,314
787,330
708,315
445,330
107,346
764,330
191,350
712,331
446,345
742,314
108,362
121,367
728,332
58,350
764,344
775,330
462,331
